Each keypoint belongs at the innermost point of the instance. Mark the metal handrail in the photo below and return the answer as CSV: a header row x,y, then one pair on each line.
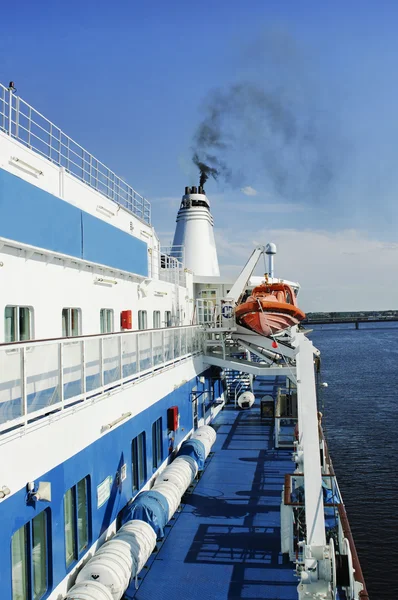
x,y
22,122
40,377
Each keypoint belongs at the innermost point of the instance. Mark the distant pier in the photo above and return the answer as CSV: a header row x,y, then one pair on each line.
x,y
317,319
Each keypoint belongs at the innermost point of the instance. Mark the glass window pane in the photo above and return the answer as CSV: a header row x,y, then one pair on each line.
x,y
65,322
39,555
106,320
159,441
154,446
141,458
82,521
156,319
70,533
19,565
75,322
24,323
135,464
142,319
10,324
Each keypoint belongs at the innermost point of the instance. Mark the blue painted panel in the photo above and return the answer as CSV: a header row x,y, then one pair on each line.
x,y
33,216
107,245
99,460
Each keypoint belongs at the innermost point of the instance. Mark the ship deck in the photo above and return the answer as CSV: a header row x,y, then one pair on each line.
x,y
225,542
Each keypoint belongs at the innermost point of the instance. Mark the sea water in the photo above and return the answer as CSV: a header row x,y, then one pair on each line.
x,y
360,408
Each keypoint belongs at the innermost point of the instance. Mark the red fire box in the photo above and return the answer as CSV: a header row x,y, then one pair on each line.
x,y
173,418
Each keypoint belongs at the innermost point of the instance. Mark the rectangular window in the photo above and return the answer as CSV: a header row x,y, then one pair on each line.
x,y
29,558
167,318
106,320
157,443
71,322
209,295
18,323
142,319
138,454
76,521
39,555
156,319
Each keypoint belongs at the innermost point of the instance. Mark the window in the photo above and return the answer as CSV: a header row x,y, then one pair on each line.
x,y
156,319
71,325
106,320
138,455
76,521
167,318
209,295
18,323
157,446
142,319
29,559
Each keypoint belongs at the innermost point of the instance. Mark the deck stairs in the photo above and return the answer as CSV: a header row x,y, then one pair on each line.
x,y
237,381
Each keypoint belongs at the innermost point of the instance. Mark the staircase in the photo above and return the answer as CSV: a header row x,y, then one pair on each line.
x,y
237,383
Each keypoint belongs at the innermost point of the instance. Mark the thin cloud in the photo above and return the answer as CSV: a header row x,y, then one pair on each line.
x,y
334,269
269,207
249,191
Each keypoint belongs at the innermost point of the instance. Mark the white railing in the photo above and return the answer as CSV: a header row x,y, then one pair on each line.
x,y
207,313
22,122
40,377
172,263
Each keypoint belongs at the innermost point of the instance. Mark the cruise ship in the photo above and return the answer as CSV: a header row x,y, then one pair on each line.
x,y
150,445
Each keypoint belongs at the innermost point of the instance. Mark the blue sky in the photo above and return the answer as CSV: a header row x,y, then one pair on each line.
x,y
131,81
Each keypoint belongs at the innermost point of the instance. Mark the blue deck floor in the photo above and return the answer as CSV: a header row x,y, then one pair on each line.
x,y
225,543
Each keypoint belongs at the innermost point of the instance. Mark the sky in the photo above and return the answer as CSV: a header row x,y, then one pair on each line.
x,y
303,97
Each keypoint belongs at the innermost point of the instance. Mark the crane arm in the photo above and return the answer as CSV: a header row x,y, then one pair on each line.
x,y
240,284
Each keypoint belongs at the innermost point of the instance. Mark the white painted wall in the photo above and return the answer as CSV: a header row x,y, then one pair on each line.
x,y
48,287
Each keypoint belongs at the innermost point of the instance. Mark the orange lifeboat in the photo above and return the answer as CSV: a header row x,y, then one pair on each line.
x,y
271,308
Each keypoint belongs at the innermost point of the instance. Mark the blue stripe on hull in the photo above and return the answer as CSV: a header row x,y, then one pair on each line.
x,y
99,460
32,216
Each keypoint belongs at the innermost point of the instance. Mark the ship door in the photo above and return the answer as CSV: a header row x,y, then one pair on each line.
x,y
195,408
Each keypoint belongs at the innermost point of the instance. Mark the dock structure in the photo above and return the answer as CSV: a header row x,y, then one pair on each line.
x,y
325,320
225,543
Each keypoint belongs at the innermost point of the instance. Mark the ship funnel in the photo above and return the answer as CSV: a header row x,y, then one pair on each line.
x,y
270,250
194,233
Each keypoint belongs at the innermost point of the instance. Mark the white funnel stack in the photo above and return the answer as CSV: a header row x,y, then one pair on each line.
x,y
194,232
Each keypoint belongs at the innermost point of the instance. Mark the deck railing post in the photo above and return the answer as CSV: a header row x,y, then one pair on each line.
x,y
83,359
24,392
101,361
120,357
61,372
10,112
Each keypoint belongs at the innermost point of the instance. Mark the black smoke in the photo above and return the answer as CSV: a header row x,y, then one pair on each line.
x,y
264,131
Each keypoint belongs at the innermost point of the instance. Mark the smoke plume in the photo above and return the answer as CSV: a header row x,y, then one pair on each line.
x,y
271,131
